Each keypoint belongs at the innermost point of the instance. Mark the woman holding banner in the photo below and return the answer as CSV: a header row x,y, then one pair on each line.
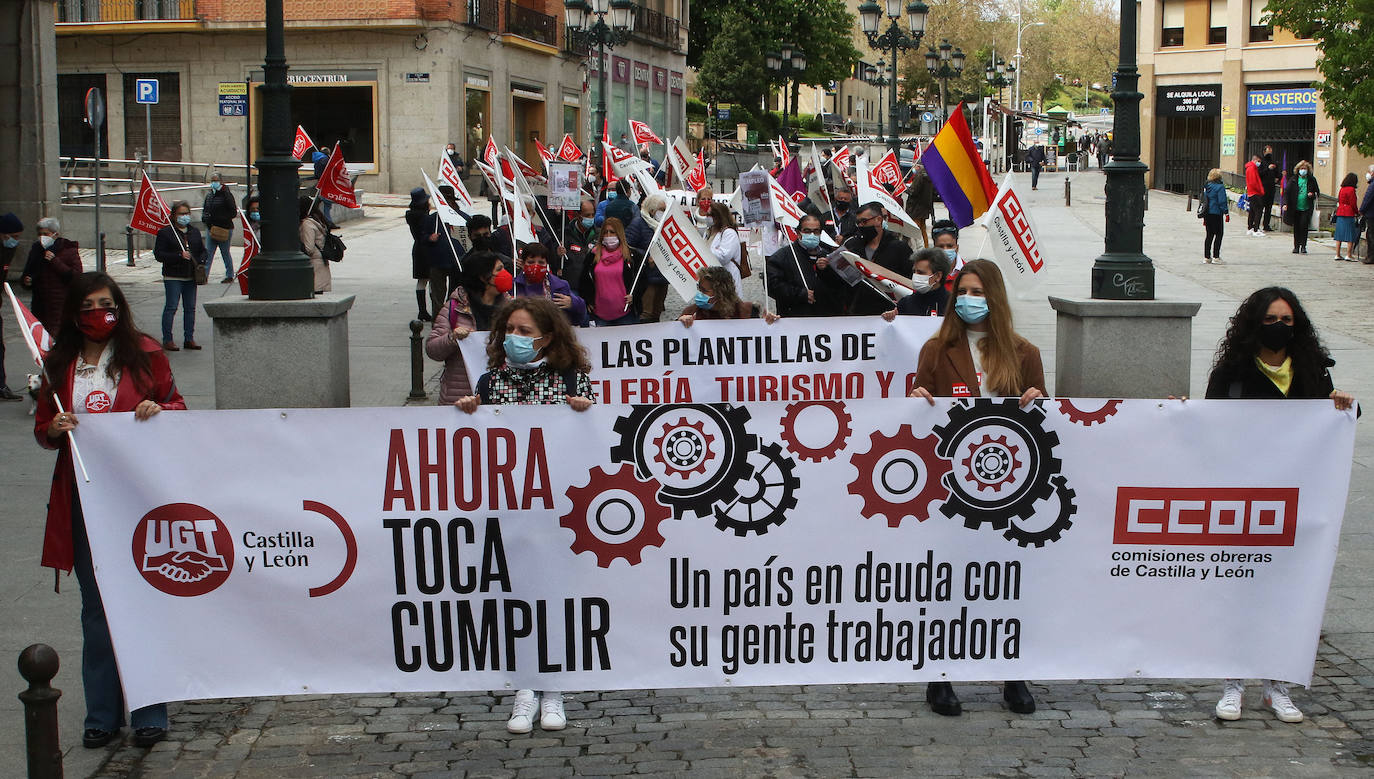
x,y
533,358
1271,351
977,353
99,363
717,298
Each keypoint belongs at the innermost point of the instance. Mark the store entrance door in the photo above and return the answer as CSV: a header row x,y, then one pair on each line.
x,y
528,126
1187,151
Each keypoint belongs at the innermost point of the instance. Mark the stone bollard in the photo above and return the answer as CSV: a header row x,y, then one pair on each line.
x,y
417,360
38,665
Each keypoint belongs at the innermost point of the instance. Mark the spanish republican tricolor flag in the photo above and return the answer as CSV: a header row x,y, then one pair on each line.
x,y
958,172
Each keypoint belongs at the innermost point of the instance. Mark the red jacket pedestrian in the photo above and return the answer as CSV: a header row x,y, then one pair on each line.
x,y
1346,203
1254,186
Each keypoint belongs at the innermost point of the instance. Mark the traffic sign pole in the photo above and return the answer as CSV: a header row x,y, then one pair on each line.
x,y
95,117
148,120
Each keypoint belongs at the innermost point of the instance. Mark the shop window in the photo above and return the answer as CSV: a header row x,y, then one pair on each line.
x,y
75,137
339,114
475,131
1260,28
570,113
165,115
1216,32
1172,32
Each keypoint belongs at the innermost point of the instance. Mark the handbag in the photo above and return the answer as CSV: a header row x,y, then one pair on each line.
x,y
219,234
744,270
1202,205
202,272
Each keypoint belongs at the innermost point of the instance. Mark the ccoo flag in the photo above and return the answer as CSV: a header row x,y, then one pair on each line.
x,y
958,172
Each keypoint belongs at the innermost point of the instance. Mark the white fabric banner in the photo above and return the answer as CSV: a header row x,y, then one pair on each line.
x,y
734,361
408,549
1011,233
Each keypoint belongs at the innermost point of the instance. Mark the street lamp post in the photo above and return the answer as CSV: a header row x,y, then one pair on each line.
x,y
788,63
588,20
1123,272
893,40
1020,28
880,81
997,77
944,63
281,271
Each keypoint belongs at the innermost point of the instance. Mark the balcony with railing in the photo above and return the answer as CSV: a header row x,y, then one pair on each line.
x,y
484,14
531,24
656,28
73,11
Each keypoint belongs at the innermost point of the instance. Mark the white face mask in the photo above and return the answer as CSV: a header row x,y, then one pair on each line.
x,y
923,284
1302,172
46,241
1369,177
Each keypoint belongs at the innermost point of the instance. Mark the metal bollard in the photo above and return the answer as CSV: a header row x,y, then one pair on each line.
x,y
1190,202
417,360
100,263
129,245
38,665
1066,190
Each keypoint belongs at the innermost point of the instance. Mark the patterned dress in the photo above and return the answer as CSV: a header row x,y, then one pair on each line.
x,y
540,385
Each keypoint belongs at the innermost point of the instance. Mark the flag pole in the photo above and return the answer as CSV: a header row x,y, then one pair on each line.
x,y
38,360
793,246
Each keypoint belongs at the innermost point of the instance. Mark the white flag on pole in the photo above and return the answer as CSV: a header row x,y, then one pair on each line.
x,y
679,251
450,176
869,194
1011,232
447,213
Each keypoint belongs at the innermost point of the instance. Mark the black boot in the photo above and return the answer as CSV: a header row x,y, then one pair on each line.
x,y
1018,697
423,316
942,700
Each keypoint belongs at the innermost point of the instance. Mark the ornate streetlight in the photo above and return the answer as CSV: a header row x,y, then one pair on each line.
x,y
893,40
944,63
789,64
879,80
588,20
999,76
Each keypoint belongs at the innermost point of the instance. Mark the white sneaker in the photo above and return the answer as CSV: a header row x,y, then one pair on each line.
x,y
1217,261
522,712
1228,708
1206,260
1276,698
551,714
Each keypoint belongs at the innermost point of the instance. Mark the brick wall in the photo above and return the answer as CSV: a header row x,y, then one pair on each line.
x,y
331,10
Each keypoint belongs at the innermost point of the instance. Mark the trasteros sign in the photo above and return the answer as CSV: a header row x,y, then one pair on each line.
x,y
701,544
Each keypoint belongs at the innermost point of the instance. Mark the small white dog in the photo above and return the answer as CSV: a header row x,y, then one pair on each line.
x,y
35,383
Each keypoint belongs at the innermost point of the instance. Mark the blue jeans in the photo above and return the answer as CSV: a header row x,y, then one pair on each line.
x,y
185,291
211,245
99,674
628,319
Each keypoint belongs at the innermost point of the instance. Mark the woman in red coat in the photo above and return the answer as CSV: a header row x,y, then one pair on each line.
x,y
1347,209
99,363
52,264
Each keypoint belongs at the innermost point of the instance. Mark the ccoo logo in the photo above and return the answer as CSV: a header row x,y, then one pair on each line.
x,y
182,549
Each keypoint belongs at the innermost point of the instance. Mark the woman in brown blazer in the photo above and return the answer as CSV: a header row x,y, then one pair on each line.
x,y
1004,365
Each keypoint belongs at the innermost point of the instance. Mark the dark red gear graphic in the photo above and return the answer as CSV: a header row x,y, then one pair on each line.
x,y
704,457
969,464
1087,418
918,505
599,483
842,430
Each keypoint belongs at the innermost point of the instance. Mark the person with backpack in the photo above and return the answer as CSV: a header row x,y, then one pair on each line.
x,y
483,288
533,358
312,234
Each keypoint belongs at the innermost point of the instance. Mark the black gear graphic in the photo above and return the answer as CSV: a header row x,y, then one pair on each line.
x,y
777,494
1087,418
719,482
1056,529
966,418
843,429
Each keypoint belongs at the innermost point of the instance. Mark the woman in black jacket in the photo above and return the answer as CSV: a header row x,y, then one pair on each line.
x,y
1271,351
1299,200
416,218
179,248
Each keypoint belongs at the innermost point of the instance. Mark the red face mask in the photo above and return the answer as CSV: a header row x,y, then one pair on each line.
x,y
503,281
97,323
536,273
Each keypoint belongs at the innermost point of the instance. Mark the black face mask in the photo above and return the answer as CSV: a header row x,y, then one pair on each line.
x,y
1275,336
867,233
841,205
480,241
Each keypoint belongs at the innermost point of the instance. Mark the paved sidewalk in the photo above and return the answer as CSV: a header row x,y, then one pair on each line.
x,y
1089,728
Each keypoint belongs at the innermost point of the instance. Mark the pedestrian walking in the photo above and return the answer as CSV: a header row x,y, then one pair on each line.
x,y
1217,208
1035,157
639,233
312,232
1271,351
1347,209
1300,203
537,279
920,200
579,242
1254,195
417,218
978,353
217,212
718,298
882,247
100,362
180,249
946,236
52,264
443,254
10,230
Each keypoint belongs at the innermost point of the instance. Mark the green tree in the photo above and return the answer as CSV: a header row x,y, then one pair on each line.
x,y
732,67
1341,29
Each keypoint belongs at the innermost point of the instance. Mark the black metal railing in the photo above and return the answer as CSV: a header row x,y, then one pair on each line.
x,y
656,27
577,43
529,23
124,10
484,14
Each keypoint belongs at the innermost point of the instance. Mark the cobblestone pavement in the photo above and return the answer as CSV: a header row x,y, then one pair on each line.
x,y
1082,728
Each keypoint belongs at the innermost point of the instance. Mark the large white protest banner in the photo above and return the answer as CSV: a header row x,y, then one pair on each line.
x,y
407,549
795,358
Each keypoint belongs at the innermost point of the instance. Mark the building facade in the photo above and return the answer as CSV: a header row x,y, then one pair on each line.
x,y
1220,84
391,81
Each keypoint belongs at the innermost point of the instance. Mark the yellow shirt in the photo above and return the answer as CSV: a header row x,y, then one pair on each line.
x,y
1282,376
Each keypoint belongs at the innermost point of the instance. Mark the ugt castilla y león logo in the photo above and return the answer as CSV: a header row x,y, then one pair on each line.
x,y
182,549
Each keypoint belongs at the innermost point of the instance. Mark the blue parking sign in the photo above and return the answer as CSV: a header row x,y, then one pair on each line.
x,y
145,91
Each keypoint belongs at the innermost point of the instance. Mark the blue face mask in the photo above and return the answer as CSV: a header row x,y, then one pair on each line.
x,y
520,349
810,241
702,301
215,185
184,220
10,243
953,255
971,309
588,221
254,215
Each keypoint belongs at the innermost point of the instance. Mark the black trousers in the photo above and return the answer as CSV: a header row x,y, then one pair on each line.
x,y
1035,175
1267,209
1255,217
1301,219
1211,243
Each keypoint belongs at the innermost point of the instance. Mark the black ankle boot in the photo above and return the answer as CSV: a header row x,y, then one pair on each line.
x,y
1018,697
423,316
942,700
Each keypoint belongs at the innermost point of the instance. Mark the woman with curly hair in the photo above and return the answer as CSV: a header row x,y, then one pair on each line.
x,y
1271,351
977,353
533,358
716,298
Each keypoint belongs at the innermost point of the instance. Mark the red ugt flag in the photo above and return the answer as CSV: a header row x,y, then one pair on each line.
x,y
643,133
696,178
150,212
35,335
302,144
334,184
